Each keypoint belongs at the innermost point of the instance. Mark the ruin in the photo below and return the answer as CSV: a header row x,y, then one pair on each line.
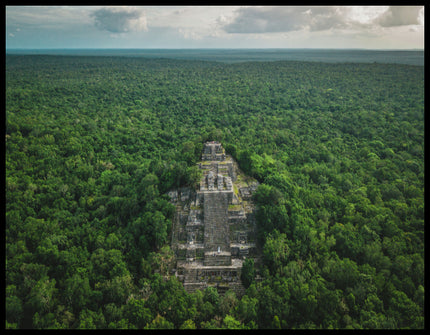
x,y
214,226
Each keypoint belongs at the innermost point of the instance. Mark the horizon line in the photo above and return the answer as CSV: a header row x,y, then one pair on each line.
x,y
220,48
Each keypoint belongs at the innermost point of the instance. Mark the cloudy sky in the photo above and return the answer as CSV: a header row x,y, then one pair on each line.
x,y
373,27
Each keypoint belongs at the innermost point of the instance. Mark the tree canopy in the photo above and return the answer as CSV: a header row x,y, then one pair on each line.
x,y
94,143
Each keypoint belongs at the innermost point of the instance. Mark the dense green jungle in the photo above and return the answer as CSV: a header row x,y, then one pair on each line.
x,y
94,143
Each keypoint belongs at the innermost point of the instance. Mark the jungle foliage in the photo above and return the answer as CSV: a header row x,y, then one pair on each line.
x,y
94,143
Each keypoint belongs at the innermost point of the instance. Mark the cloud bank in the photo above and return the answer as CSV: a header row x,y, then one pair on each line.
x,y
260,20
120,19
286,19
400,16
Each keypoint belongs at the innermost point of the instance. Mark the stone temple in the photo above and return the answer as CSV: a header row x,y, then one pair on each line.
x,y
214,227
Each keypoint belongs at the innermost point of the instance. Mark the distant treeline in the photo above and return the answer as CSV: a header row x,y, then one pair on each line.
x,y
410,57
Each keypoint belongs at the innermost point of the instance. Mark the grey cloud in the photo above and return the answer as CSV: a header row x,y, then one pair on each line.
x,y
285,19
399,16
262,20
325,18
120,20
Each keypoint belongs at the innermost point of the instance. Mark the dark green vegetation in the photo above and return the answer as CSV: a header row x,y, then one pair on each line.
x,y
93,143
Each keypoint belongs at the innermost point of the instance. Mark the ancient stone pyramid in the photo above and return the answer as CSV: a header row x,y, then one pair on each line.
x,y
214,226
